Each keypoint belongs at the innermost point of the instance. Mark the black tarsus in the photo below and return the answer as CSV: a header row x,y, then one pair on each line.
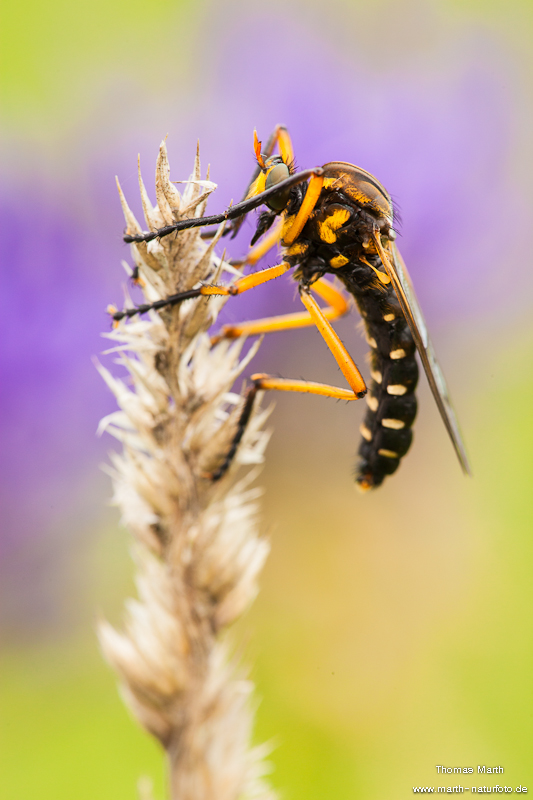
x,y
171,300
240,210
241,427
265,223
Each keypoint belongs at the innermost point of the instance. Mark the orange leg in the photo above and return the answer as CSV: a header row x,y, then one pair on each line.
x,y
280,137
261,382
315,316
337,307
340,353
267,382
240,285
293,226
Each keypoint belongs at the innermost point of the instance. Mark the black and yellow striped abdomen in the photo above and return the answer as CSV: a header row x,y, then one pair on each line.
x,y
386,429
337,240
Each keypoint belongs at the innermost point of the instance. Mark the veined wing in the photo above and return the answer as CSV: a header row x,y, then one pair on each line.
x,y
403,287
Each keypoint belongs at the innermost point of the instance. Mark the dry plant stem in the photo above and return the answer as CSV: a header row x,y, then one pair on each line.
x,y
197,547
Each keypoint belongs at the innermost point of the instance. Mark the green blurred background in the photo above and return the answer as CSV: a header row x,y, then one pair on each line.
x,y
392,632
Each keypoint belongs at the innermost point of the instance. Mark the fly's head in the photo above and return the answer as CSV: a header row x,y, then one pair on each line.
x,y
274,170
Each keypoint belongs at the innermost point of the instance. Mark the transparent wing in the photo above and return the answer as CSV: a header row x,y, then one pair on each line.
x,y
403,287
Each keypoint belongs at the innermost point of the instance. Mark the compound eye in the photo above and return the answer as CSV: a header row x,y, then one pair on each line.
x,y
276,175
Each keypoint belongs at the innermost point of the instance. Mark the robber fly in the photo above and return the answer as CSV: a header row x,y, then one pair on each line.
x,y
337,220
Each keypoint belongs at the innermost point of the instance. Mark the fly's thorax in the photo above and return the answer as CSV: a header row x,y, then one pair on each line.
x,y
342,231
362,189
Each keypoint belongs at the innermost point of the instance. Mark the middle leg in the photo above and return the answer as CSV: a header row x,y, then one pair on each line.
x,y
261,382
337,306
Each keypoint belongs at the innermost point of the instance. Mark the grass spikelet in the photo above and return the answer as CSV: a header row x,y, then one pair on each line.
x,y
197,549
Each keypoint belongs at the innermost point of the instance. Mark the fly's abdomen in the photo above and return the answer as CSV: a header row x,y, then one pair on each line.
x,y
386,429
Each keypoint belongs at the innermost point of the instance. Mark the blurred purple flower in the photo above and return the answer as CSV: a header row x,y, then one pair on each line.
x,y
439,141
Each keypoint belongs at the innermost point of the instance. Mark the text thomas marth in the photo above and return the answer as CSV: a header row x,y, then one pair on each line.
x,y
483,769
